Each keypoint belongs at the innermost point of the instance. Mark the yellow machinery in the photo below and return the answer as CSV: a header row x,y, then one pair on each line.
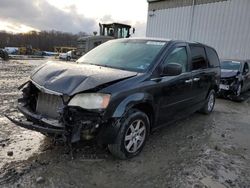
x,y
107,32
28,50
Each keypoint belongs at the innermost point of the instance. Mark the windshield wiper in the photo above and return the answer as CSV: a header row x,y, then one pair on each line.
x,y
104,65
87,63
121,68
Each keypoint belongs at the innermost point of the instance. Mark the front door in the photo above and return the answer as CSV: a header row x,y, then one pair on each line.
x,y
175,91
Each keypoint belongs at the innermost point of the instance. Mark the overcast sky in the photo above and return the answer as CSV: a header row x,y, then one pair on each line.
x,y
71,15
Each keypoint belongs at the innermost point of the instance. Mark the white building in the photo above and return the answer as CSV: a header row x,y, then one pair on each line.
x,y
222,24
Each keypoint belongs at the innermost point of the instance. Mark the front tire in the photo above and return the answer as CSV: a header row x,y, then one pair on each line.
x,y
239,90
134,130
210,102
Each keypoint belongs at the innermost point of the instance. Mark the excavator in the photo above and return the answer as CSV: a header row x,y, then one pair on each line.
x,y
107,32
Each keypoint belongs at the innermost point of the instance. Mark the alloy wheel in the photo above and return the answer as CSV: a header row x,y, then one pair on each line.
x,y
211,102
135,136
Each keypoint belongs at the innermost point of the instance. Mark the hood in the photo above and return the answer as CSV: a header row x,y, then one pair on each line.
x,y
228,73
69,78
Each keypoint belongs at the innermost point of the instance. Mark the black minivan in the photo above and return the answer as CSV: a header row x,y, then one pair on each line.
x,y
120,91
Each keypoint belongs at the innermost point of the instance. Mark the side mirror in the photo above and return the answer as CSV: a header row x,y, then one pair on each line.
x,y
172,69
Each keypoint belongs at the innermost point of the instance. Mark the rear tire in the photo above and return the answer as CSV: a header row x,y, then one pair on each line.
x,y
132,136
210,102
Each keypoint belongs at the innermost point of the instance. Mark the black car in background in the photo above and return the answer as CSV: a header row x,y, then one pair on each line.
x,y
3,54
235,77
120,91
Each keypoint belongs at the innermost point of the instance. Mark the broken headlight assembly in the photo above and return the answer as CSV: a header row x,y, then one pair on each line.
x,y
90,101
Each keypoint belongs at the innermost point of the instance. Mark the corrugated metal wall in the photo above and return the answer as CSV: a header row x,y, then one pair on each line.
x,y
224,25
164,4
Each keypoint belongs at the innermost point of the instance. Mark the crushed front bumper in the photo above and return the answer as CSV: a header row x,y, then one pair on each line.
x,y
31,126
230,92
71,122
71,130
228,87
37,122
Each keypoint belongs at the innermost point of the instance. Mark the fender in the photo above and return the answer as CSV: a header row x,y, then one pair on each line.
x,y
131,101
109,133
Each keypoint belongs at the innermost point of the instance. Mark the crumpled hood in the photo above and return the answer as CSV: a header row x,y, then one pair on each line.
x,y
69,78
228,73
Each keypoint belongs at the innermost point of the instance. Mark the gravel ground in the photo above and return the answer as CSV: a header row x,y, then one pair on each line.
x,y
200,151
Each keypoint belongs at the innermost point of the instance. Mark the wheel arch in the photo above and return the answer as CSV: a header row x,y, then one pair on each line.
x,y
148,109
214,87
141,101
138,101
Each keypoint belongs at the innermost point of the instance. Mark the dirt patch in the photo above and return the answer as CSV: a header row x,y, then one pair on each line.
x,y
200,151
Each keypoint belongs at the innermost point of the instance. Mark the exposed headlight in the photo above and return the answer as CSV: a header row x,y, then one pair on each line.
x,y
90,100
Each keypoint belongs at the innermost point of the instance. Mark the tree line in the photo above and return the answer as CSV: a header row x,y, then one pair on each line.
x,y
43,40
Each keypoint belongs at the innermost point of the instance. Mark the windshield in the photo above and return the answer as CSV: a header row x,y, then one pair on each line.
x,y
230,65
133,55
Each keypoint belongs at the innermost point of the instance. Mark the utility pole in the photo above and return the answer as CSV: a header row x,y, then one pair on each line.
x,y
192,21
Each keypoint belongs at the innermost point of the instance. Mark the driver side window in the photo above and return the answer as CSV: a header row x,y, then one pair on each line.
x,y
179,56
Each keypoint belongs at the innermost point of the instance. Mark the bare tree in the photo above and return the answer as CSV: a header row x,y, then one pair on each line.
x,y
44,40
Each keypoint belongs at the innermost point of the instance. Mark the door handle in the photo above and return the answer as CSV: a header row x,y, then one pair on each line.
x,y
196,79
188,81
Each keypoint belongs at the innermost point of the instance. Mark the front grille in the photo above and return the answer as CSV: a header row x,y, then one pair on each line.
x,y
48,105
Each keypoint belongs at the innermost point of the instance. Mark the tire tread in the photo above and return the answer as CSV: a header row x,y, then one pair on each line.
x,y
115,148
204,109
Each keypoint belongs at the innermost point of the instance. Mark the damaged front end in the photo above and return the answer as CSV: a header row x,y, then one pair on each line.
x,y
229,86
49,112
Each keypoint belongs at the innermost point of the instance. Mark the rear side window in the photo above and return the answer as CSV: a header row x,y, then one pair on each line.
x,y
212,57
198,55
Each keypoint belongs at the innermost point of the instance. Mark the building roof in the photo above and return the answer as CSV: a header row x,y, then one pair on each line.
x,y
165,4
